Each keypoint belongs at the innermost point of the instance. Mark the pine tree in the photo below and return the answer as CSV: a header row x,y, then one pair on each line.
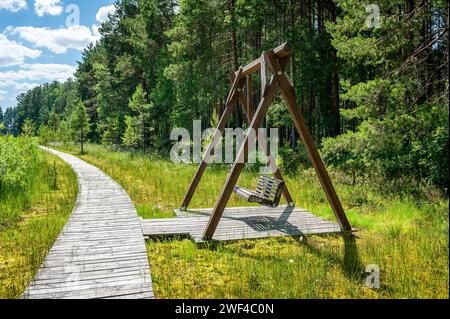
x,y
137,130
80,124
28,128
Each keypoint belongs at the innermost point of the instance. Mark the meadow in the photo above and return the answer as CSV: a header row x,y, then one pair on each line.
x,y
404,234
37,194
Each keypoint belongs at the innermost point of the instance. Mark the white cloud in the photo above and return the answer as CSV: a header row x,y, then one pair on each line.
x,y
18,86
58,40
103,12
13,5
39,72
13,53
28,76
51,7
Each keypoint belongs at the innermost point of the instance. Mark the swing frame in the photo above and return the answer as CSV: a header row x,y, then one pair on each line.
x,y
276,61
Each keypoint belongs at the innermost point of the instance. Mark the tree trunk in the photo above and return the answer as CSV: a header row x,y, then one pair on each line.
x,y
336,116
234,53
82,139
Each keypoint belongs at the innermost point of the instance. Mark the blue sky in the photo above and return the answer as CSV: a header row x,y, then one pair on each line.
x,y
41,40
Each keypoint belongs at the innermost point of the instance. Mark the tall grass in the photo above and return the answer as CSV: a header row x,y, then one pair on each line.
x,y
38,192
406,237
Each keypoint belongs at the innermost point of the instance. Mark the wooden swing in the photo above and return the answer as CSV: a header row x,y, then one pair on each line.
x,y
269,190
267,193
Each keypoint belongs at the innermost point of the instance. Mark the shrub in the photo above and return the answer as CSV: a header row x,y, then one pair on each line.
x,y
293,159
19,157
345,153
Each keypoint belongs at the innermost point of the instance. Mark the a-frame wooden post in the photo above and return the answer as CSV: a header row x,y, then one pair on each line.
x,y
232,97
276,59
287,90
241,158
246,105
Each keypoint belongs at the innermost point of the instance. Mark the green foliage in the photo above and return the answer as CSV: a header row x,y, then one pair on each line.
x,y
2,124
293,159
132,136
28,128
19,157
381,92
346,153
43,105
20,163
80,124
32,216
46,135
136,133
112,132
396,118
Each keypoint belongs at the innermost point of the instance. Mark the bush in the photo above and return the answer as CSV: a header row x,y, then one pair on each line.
x,y
19,157
46,135
293,159
345,153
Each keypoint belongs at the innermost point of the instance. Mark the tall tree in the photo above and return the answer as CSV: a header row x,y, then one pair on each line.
x,y
395,106
80,124
136,133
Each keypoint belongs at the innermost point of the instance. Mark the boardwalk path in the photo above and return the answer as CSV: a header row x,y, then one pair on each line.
x,y
101,251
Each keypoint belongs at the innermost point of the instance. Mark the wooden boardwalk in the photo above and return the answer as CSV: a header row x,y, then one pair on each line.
x,y
241,223
101,251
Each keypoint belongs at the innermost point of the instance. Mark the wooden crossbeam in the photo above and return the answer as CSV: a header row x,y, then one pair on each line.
x,y
281,52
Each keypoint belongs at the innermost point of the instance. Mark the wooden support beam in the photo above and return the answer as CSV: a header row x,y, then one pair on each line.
x,y
232,96
288,93
282,51
262,143
239,162
249,104
263,75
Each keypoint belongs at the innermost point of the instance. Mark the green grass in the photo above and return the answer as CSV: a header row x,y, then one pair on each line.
x,y
406,237
31,219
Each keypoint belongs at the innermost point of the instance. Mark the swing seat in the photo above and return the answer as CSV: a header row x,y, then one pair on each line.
x,y
267,193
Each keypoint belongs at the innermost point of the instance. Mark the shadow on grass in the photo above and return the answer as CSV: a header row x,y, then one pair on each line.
x,y
350,262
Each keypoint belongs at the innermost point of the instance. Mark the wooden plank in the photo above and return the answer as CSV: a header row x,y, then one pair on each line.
x,y
92,292
242,223
282,51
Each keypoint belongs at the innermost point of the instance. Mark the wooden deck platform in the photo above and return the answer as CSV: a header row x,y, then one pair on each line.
x,y
241,223
101,252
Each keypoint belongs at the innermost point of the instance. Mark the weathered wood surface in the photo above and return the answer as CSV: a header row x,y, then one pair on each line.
x,y
241,223
101,251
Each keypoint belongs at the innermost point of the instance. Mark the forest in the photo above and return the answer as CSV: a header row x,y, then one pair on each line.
x,y
373,90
